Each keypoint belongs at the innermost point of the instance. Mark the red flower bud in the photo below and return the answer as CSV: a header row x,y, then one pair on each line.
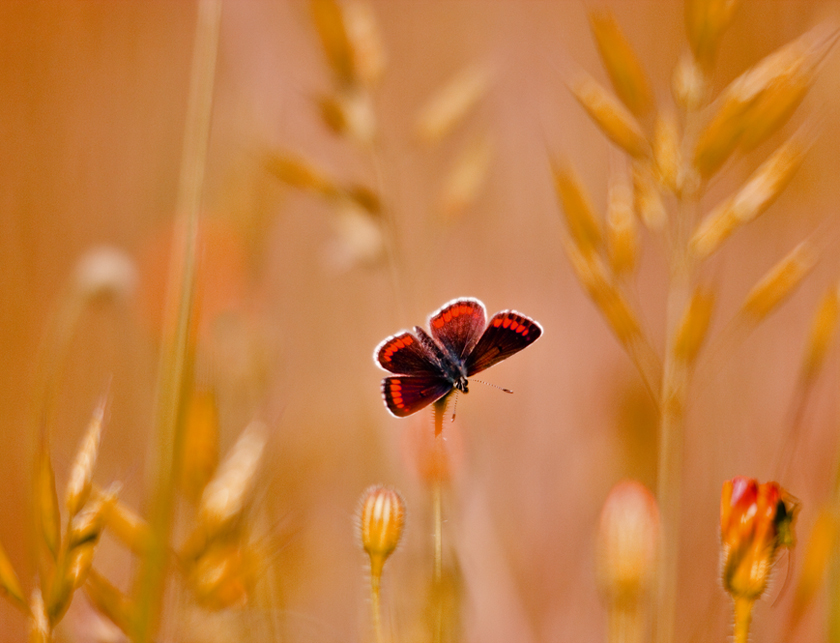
x,y
755,521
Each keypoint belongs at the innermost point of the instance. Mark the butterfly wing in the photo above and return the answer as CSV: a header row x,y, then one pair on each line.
x,y
458,325
507,333
404,354
408,394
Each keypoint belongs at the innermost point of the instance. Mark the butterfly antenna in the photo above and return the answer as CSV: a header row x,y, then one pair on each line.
x,y
454,407
501,388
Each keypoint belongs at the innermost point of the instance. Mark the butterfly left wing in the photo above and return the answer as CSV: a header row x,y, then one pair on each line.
x,y
408,394
507,333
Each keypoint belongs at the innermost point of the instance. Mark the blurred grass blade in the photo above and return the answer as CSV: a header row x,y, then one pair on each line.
x,y
175,360
9,583
46,499
450,105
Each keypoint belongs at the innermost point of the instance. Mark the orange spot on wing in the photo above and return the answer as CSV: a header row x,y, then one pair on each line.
x,y
497,322
447,316
506,323
437,323
514,325
408,340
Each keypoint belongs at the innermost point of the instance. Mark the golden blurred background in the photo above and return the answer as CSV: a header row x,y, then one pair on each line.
x,y
293,300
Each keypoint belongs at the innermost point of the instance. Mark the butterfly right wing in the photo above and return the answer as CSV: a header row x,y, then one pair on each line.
x,y
404,354
507,333
408,394
458,325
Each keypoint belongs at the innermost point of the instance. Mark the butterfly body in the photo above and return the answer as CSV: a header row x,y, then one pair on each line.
x,y
427,366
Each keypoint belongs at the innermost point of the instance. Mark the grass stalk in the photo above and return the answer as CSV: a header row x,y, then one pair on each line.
x,y
743,618
175,359
376,605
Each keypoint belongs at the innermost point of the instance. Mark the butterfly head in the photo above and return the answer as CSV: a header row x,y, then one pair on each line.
x,y
462,384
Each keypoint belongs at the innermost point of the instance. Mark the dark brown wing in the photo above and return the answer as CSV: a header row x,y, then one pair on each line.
x,y
406,395
507,333
458,325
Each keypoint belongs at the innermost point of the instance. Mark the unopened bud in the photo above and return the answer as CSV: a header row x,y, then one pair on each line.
x,y
382,519
627,542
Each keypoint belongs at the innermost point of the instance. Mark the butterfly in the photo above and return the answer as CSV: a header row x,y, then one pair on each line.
x,y
459,344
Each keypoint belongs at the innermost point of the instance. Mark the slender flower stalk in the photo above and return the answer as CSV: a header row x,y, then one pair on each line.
x,y
381,522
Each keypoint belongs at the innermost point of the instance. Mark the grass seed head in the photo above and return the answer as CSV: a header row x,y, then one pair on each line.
x,y
666,151
369,59
780,282
821,335
467,177
47,513
694,325
628,77
128,527
381,522
109,601
39,630
450,104
223,576
227,494
622,236
329,21
605,294
647,198
613,119
705,23
301,174
81,475
689,84
583,222
753,199
628,535
9,583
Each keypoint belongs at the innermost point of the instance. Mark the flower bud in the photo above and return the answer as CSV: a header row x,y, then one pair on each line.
x,y
627,542
381,518
755,521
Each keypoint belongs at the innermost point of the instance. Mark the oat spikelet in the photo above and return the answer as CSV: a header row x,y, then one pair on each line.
x,y
779,282
81,475
596,280
467,177
705,23
784,78
448,107
627,75
694,325
762,99
127,527
647,198
823,329
201,442
226,496
614,119
622,235
9,583
583,223
39,623
46,498
369,57
689,84
757,194
666,151
109,601
329,21
223,576
300,174
83,536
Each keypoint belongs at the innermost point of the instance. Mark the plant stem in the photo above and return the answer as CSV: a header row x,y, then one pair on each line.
x,y
375,606
625,624
175,360
743,617
671,429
